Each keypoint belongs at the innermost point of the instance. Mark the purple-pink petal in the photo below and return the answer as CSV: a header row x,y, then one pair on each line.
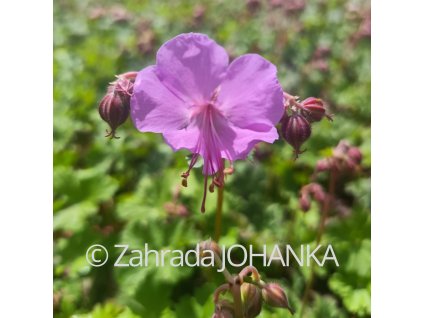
x,y
246,139
191,65
250,95
154,108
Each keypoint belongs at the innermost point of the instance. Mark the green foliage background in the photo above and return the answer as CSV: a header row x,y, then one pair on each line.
x,y
121,191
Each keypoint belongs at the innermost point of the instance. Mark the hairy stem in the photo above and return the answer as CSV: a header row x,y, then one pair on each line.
x,y
323,217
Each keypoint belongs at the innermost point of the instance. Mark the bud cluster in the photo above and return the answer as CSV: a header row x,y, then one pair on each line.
x,y
298,117
114,106
345,159
345,162
309,191
249,292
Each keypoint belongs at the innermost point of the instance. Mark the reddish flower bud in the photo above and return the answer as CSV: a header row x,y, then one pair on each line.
x,y
313,109
124,89
305,203
295,130
323,165
316,190
251,298
341,149
275,296
114,111
346,159
313,190
355,155
114,107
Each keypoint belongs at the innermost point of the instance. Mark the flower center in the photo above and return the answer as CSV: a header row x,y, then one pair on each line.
x,y
209,146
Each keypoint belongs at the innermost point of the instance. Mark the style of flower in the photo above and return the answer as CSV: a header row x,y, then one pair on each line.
x,y
200,102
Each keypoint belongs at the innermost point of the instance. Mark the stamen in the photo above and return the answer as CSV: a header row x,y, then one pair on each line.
x,y
185,174
209,145
191,165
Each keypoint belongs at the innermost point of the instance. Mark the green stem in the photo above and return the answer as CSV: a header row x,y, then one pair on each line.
x,y
226,273
218,220
320,231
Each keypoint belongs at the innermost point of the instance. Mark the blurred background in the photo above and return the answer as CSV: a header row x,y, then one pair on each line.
x,y
127,190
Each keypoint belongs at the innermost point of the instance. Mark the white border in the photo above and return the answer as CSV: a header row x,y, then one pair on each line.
x,y
397,162
26,158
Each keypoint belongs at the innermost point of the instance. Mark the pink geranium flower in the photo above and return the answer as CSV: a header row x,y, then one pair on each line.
x,y
200,102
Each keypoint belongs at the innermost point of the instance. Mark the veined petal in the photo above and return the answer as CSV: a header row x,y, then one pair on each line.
x,y
250,96
154,108
191,66
234,142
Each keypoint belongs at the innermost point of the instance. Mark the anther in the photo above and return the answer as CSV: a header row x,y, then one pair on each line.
x,y
184,182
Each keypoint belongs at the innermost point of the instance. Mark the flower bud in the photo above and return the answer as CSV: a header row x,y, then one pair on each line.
x,y
305,203
114,107
251,298
323,165
355,155
341,149
314,109
311,190
211,246
295,130
124,89
316,190
275,296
